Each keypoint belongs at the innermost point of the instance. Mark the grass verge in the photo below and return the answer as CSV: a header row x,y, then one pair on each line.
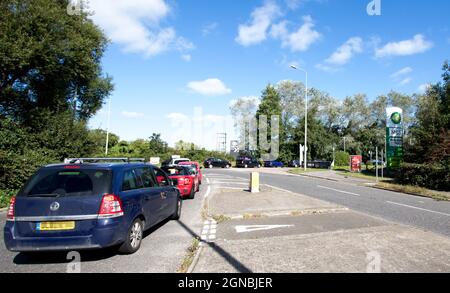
x,y
414,190
302,171
190,255
367,176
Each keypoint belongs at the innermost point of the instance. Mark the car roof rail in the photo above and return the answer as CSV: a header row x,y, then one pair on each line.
x,y
98,160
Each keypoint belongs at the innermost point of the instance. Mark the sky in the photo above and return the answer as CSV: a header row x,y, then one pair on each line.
x,y
178,65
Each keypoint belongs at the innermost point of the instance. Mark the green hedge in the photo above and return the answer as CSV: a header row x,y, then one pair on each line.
x,y
436,177
342,159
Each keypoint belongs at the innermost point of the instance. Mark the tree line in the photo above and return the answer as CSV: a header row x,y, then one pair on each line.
x,y
358,125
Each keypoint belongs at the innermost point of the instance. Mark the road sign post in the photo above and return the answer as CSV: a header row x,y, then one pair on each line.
x,y
394,138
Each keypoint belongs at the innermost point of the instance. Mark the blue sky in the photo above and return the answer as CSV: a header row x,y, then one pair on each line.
x,y
175,61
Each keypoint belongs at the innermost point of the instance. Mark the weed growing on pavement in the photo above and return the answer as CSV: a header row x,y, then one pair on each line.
x,y
190,255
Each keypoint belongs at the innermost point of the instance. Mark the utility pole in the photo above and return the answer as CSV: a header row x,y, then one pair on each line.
x,y
306,114
345,149
376,161
107,128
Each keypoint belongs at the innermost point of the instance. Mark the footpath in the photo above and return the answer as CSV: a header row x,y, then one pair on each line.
x,y
279,231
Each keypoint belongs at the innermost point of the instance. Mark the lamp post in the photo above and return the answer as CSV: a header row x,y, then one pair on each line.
x,y
306,115
107,130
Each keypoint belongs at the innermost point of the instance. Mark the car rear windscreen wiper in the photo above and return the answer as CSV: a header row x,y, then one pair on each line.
x,y
45,195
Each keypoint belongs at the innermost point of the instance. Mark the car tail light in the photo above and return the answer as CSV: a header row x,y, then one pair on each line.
x,y
187,181
180,181
10,214
111,207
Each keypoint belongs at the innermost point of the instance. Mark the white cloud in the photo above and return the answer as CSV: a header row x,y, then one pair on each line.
x,y
416,45
209,87
209,28
256,30
424,87
345,52
405,81
135,25
297,41
127,114
186,57
402,72
199,128
326,68
293,4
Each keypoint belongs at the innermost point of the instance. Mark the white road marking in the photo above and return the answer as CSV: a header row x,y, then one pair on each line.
x,y
209,231
253,228
337,190
208,191
412,207
232,188
237,183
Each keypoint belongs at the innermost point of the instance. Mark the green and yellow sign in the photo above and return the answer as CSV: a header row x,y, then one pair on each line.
x,y
394,137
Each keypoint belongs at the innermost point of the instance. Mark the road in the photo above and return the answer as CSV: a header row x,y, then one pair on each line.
x,y
402,208
165,246
162,250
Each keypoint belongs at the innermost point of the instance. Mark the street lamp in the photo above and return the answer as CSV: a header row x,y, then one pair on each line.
x,y
108,126
306,115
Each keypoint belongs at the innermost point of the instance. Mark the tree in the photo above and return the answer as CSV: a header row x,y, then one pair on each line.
x,y
157,145
270,106
243,110
47,57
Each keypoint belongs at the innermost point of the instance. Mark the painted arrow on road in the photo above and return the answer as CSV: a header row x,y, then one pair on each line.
x,y
245,229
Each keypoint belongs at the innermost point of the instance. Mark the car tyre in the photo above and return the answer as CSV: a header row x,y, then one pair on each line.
x,y
210,166
245,166
134,238
177,214
192,194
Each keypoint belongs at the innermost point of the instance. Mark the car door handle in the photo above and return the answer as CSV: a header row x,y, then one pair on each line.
x,y
163,195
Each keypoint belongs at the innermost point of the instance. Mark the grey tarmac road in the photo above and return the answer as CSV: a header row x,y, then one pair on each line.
x,y
162,250
419,212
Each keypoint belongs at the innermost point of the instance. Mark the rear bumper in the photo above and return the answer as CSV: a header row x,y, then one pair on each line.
x,y
107,233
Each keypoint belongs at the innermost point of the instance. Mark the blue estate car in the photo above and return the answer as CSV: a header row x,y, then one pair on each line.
x,y
273,164
80,205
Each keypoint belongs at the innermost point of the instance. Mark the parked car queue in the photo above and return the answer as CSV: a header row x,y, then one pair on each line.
x,y
96,203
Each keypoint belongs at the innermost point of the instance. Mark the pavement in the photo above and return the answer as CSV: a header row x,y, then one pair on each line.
x,y
330,237
420,212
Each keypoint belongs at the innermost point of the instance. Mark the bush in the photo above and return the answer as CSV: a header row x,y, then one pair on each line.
x,y
432,176
342,159
5,196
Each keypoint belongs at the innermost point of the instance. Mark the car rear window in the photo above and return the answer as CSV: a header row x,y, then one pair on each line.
x,y
68,182
177,171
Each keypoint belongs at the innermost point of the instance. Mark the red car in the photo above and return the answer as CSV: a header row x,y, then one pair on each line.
x,y
186,179
196,165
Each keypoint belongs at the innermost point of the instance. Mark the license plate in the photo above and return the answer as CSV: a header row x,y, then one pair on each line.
x,y
55,226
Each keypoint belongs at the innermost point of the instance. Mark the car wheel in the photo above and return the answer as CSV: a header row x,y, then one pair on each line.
x,y
134,238
210,166
228,167
245,166
192,194
177,214
198,187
